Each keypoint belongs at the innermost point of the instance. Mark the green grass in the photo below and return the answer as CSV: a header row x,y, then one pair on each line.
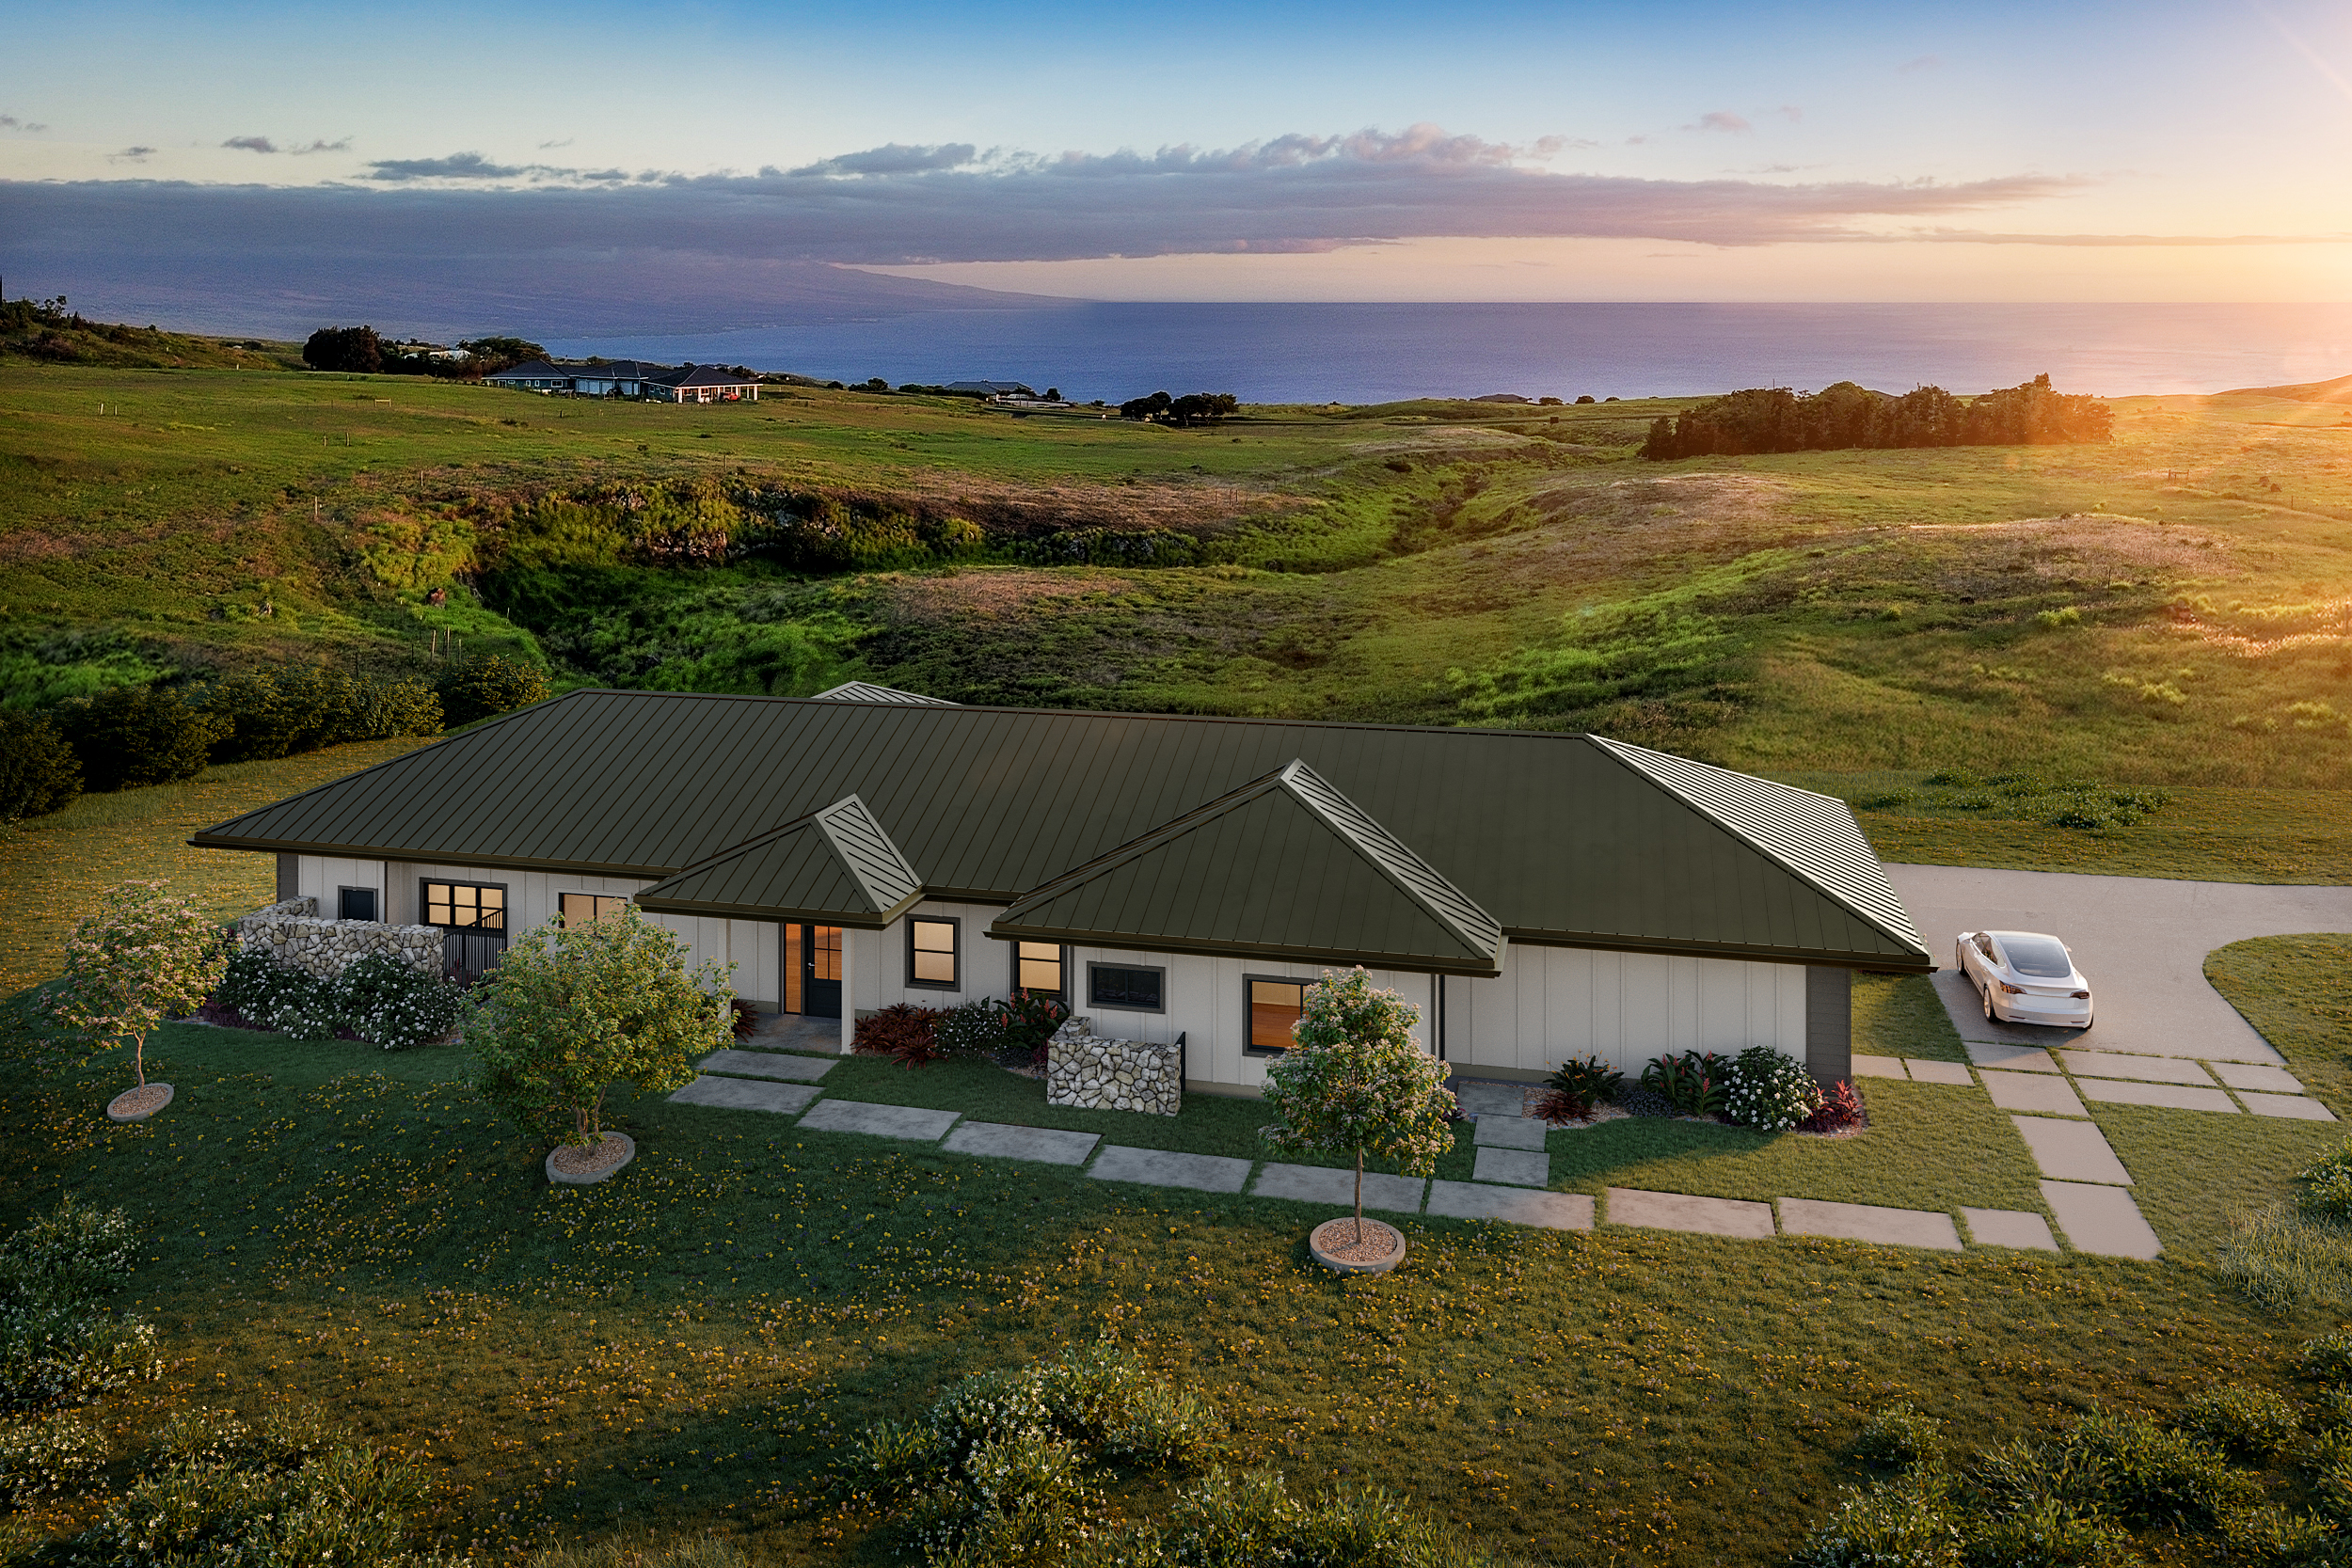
x,y
1900,1015
2194,1172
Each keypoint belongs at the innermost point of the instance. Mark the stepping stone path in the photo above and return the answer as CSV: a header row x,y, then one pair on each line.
x,y
2071,1150
2173,1097
1399,1195
1709,1216
2015,1058
997,1141
2033,1091
910,1122
1939,1072
1160,1167
768,1064
2291,1105
2101,1220
1483,1098
1513,1131
1472,1200
2148,1069
1519,1167
2010,1227
1862,1222
747,1093
2254,1075
1878,1067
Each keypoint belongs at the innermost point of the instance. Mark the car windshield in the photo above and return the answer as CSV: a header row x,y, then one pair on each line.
x,y
2042,956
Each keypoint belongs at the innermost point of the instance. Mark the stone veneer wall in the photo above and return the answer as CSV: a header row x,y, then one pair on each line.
x,y
291,934
1085,1070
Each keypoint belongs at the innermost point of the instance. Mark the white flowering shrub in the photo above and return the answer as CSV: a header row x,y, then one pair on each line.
x,y
396,1006
58,1345
1769,1090
48,1458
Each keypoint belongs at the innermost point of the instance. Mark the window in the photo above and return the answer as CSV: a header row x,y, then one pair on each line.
x,y
932,952
585,908
1126,986
1275,1008
1037,966
466,906
355,903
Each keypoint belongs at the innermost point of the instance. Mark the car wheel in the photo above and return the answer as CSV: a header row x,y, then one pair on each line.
x,y
1992,1015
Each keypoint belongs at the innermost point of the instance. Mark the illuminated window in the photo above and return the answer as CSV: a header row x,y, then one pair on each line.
x,y
1274,1007
1037,967
1130,987
932,952
466,906
584,908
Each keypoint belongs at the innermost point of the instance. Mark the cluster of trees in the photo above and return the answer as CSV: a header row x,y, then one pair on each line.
x,y
1773,419
357,349
128,737
1193,408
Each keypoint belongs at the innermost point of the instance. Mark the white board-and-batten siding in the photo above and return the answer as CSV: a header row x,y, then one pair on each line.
x,y
1553,1004
752,946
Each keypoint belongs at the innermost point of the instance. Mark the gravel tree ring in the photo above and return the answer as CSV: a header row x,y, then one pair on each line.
x,y
568,1166
139,1104
1335,1246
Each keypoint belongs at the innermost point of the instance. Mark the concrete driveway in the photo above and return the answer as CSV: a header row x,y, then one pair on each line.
x,y
2140,940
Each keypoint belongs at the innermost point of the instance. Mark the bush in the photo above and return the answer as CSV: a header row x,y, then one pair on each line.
x,y
2244,1423
907,1034
2045,1532
2128,1467
39,772
1027,1022
2328,1358
271,995
1769,1090
493,684
390,1004
1899,1437
68,1257
693,1551
1840,1108
1575,1087
277,714
1692,1083
57,1456
1249,1519
58,1355
129,736
2327,1186
1905,1523
974,1029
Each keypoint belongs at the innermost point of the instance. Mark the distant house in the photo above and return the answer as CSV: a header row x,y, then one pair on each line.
x,y
631,378
703,384
532,375
992,389
614,378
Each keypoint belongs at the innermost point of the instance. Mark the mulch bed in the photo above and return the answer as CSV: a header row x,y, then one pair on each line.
x,y
573,1161
133,1103
1337,1239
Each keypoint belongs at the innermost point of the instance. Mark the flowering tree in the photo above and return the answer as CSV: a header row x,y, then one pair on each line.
x,y
568,1012
143,957
1358,1083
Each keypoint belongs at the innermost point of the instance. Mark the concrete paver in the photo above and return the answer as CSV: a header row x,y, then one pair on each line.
x,y
1519,1167
2009,1059
2071,1150
2033,1091
2142,941
912,1122
1049,1146
1514,1132
1710,1216
747,1093
2101,1220
1160,1167
1487,1097
1864,1222
2293,1107
2172,1097
768,1064
2254,1075
1399,1195
2011,1227
2148,1069
1879,1067
1924,1071
1470,1200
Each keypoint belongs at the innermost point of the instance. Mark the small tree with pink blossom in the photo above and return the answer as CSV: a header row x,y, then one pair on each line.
x,y
144,955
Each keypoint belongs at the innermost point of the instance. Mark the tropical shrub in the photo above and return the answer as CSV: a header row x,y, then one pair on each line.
x,y
2327,1186
2244,1423
1575,1087
1690,1082
56,1456
1769,1090
2328,1358
1356,1081
39,772
1906,1523
1027,1022
489,685
1899,1437
569,1011
906,1034
1840,1108
129,737
143,956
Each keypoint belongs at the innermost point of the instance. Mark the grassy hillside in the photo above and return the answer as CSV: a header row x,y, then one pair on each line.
x,y
42,332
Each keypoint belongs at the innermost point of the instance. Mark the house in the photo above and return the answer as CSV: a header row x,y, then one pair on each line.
x,y
614,378
1180,879
991,389
532,375
703,384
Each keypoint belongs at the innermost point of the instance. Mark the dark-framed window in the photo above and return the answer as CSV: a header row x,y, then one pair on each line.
x,y
465,905
1274,1004
1129,987
586,908
355,903
934,953
1041,968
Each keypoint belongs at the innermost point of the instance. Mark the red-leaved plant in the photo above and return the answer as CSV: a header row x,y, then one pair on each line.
x,y
908,1035
1840,1108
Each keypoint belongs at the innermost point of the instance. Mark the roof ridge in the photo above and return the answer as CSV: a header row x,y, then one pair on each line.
x,y
1118,855
1885,914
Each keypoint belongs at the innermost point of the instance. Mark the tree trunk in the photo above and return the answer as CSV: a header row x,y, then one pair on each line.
x,y
1359,1197
138,1058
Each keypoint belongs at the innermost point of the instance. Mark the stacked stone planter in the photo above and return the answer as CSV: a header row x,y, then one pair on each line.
x,y
1084,1070
294,938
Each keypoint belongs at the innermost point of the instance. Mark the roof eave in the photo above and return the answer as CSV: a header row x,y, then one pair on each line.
x,y
1885,963
861,919
1475,965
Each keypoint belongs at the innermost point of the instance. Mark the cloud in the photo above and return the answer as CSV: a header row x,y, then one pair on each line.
x,y
895,159
1723,120
252,144
263,144
131,155
9,122
457,165
1918,63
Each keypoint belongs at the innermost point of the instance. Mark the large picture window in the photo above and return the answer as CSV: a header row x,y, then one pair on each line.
x,y
1037,967
933,954
466,906
586,908
1275,1008
1131,987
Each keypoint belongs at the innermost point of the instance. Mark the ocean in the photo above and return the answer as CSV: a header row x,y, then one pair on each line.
x,y
1283,353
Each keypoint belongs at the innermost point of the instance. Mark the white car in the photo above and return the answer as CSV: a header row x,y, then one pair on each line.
x,y
2025,977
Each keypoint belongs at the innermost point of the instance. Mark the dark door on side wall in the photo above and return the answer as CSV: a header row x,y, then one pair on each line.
x,y
812,954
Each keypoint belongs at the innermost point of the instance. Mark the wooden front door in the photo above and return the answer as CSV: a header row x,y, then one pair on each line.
x,y
812,957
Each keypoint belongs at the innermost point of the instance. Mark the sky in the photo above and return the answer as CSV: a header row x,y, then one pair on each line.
x,y
695,164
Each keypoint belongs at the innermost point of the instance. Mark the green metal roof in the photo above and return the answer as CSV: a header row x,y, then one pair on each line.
x,y
1287,867
835,865
1561,837
867,691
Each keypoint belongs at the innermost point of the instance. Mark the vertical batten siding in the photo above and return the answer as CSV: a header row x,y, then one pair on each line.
x,y
1553,1002
984,967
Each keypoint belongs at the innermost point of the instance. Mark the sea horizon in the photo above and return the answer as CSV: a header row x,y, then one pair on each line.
x,y
1381,353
